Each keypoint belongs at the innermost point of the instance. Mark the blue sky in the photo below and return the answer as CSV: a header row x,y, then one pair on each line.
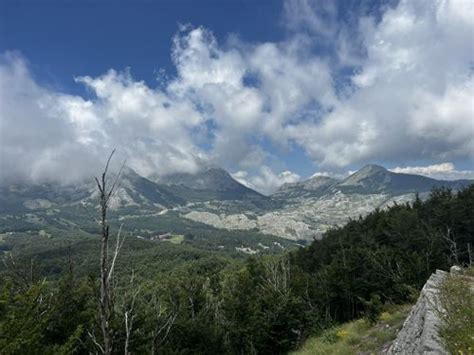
x,y
63,39
273,91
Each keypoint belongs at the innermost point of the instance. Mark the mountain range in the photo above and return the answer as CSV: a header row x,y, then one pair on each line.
x,y
370,179
301,210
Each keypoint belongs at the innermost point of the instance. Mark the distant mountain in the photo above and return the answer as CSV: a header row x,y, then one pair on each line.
x,y
142,191
371,179
315,186
208,184
376,179
301,210
20,197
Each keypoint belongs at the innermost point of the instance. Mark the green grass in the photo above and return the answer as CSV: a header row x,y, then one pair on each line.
x,y
175,239
457,301
359,336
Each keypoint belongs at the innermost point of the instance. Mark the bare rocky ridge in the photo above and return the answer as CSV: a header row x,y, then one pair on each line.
x,y
419,334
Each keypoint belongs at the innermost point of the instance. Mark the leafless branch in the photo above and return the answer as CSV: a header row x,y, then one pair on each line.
x,y
118,247
96,343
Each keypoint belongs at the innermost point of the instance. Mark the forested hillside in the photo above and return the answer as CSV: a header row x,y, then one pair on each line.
x,y
207,304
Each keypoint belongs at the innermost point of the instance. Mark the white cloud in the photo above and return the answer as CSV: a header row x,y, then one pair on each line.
x,y
289,82
332,174
408,98
443,171
411,97
319,17
266,181
38,139
49,136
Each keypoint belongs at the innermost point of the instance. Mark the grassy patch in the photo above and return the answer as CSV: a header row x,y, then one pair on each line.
x,y
177,238
358,336
457,300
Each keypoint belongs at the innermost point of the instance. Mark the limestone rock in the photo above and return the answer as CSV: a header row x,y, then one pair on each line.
x,y
419,334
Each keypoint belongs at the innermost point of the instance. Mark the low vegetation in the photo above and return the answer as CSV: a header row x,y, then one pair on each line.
x,y
359,336
457,303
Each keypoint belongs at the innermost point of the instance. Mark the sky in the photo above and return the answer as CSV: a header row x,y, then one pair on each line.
x,y
272,91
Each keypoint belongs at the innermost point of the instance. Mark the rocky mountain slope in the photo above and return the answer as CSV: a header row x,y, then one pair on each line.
x,y
210,183
308,208
297,211
313,187
376,179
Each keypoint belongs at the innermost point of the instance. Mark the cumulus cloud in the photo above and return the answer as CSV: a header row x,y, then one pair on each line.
x,y
39,139
443,171
50,136
156,130
390,84
332,174
289,83
266,180
410,97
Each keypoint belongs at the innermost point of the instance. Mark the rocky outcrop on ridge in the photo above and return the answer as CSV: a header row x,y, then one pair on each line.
x,y
419,334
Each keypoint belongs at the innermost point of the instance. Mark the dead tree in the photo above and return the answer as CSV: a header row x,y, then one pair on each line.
x,y
23,277
277,275
163,320
106,265
450,239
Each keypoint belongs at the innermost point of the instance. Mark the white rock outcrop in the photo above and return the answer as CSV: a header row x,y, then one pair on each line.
x,y
419,334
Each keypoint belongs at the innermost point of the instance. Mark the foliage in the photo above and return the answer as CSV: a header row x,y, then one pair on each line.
x,y
44,317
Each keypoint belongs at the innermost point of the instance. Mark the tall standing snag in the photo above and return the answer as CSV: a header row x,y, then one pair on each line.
x,y
106,292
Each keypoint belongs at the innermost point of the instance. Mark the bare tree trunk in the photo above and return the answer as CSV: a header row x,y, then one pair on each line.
x,y
469,253
106,292
104,302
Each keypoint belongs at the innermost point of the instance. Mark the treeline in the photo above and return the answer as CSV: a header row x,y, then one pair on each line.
x,y
265,305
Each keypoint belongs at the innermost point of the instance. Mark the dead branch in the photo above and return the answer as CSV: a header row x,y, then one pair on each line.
x,y
107,268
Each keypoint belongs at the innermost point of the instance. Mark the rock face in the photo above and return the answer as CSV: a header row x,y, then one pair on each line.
x,y
419,334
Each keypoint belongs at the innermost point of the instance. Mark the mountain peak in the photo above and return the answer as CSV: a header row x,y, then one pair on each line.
x,y
372,168
370,176
210,182
377,179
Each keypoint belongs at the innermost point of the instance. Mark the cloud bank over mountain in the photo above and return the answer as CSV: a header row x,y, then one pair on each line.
x,y
443,171
401,90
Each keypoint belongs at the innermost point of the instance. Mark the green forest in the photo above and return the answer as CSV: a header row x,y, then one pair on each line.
x,y
174,299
